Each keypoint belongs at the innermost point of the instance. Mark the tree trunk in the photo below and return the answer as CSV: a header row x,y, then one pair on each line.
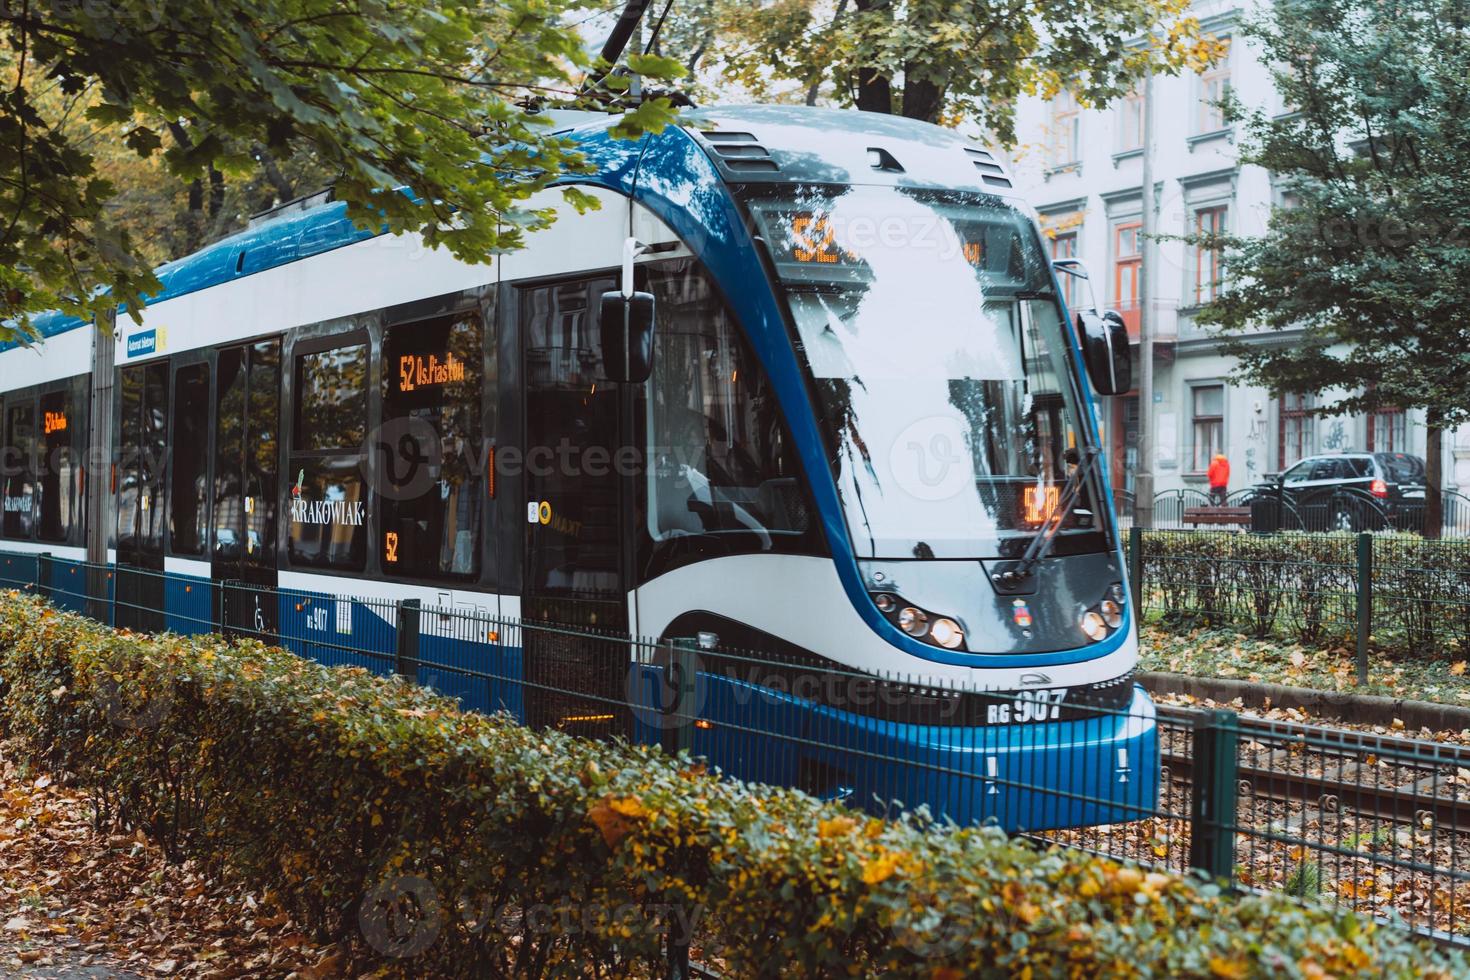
x,y
1434,477
874,89
874,93
216,192
922,100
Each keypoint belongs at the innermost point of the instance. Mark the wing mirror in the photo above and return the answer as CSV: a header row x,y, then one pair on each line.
x,y
625,319
1105,351
1103,336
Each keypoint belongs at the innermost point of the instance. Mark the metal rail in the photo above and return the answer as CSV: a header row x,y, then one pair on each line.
x,y
1344,787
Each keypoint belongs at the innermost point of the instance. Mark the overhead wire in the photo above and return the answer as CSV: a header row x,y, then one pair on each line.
x,y
653,39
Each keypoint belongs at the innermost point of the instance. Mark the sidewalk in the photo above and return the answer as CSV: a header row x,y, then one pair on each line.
x,y
79,904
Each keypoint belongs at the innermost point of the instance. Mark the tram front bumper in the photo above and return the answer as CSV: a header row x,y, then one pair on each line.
x,y
1102,769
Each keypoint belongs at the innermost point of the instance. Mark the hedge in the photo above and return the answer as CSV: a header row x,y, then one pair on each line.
x,y
1304,587
320,785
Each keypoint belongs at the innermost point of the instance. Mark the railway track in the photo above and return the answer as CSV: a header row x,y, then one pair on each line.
x,y
1335,770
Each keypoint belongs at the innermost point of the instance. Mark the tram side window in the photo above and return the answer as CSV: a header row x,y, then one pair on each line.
x,y
720,458
142,458
60,504
18,474
430,452
189,472
328,500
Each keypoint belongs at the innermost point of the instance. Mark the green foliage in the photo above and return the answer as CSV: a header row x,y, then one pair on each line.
x,y
1304,880
1372,262
424,94
1304,587
319,785
938,60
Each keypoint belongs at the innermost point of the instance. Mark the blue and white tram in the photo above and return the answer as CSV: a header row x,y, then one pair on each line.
x,y
864,440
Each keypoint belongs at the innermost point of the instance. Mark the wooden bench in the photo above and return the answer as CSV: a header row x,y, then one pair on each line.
x,y
1217,515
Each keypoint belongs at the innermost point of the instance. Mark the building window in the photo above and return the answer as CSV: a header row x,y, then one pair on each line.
x,y
1207,260
1127,263
1296,429
1388,431
1066,130
1130,122
1209,424
1214,85
1064,246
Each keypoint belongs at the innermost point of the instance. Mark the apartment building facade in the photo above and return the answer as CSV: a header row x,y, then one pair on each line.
x,y
1082,168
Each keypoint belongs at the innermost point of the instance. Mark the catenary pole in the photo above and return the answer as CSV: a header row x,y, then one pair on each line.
x,y
1143,480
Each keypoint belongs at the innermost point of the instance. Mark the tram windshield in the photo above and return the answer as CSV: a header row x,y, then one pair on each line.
x,y
932,336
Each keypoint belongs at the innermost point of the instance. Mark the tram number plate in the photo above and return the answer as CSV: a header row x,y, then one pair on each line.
x,y
1045,705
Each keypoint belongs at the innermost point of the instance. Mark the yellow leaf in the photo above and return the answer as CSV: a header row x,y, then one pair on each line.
x,y
628,806
613,825
1457,668
1228,969
377,819
836,827
880,869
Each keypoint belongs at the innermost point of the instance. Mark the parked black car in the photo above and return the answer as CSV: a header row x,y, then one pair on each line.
x,y
1343,492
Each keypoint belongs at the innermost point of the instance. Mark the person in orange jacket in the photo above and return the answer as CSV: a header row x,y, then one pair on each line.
x,y
1219,477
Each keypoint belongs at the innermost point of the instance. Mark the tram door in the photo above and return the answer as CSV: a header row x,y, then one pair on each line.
x,y
574,569
247,426
141,512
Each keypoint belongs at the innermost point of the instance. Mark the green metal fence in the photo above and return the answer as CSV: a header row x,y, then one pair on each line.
x,y
1375,824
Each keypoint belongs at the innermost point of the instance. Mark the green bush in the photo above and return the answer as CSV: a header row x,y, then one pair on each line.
x,y
364,802
1303,587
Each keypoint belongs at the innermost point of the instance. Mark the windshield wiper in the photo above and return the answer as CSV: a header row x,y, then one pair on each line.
x,y
1046,535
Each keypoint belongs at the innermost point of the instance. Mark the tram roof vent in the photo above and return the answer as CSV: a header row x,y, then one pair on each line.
x,y
740,151
991,172
294,206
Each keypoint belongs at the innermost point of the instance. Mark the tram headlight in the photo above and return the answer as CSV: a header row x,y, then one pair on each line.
x,y
1093,625
885,602
913,621
947,633
1112,613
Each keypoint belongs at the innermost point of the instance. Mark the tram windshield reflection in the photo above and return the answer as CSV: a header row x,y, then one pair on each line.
x,y
932,336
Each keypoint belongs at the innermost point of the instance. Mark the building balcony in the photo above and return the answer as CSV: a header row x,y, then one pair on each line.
x,y
1165,329
1131,313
